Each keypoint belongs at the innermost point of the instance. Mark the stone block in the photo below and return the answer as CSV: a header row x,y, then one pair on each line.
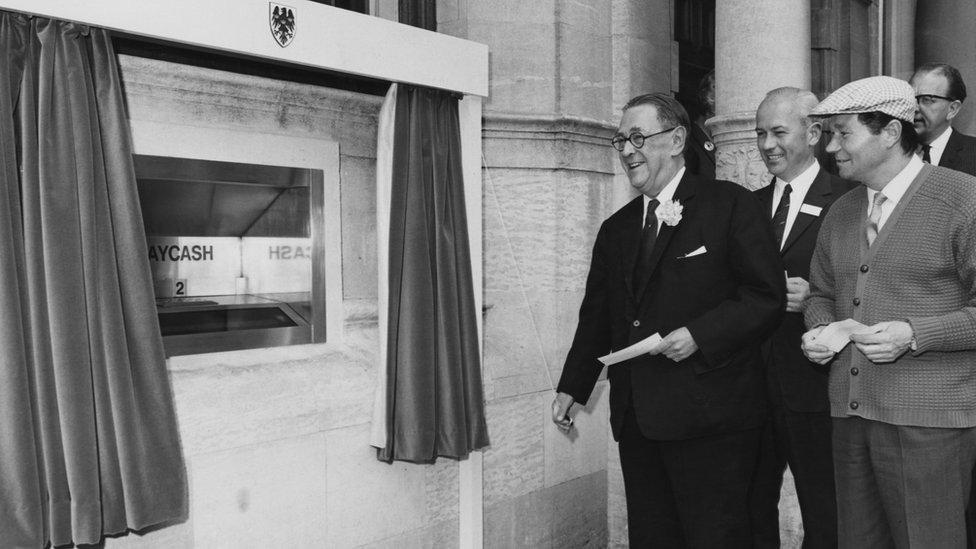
x,y
358,192
580,512
368,500
582,452
173,536
267,495
514,463
523,521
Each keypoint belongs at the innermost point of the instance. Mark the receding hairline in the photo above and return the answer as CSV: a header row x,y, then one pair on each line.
x,y
803,101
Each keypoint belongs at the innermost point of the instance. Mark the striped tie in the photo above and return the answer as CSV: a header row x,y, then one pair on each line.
x,y
875,217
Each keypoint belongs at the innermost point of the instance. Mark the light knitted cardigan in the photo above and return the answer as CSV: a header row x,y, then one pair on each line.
x,y
921,268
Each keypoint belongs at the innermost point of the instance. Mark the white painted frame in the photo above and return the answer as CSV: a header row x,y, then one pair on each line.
x,y
335,40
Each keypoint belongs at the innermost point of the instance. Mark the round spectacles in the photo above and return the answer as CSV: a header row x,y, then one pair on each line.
x,y
928,99
636,139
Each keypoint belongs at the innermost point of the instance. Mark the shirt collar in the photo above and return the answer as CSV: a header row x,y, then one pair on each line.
x,y
667,192
896,188
943,140
801,183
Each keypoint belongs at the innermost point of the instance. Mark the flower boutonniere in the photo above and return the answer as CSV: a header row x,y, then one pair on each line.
x,y
669,212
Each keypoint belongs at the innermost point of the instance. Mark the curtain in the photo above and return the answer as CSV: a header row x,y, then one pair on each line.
x,y
418,13
88,437
434,396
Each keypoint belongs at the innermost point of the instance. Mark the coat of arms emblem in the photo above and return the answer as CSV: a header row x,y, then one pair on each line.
x,y
282,21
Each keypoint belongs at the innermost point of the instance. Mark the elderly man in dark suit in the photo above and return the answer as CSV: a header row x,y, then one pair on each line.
x,y
940,91
694,261
798,430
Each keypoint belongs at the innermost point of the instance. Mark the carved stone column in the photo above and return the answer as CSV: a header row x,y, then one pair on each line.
x,y
759,45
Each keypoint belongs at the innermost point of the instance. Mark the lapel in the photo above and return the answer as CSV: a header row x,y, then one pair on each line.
x,y
628,236
952,150
683,194
818,195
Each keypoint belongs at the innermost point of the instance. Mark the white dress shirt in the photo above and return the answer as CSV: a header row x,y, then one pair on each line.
x,y
665,195
895,189
800,184
937,147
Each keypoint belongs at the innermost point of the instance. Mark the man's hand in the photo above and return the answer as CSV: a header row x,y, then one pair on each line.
x,y
797,292
889,343
814,351
678,345
560,411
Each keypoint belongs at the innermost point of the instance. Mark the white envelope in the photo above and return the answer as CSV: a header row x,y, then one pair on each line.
x,y
647,345
811,209
698,251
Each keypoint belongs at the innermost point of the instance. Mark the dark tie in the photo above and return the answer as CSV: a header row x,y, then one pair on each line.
x,y
779,217
925,153
648,236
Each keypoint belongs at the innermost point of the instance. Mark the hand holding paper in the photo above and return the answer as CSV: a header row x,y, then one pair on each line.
x,y
836,335
650,345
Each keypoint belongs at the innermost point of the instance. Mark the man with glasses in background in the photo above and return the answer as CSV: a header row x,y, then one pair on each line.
x,y
940,91
692,260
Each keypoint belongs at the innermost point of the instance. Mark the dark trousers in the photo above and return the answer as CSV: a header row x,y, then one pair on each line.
x,y
803,441
688,493
901,486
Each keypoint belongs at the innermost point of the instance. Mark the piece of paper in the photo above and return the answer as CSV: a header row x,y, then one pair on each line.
x,y
648,345
836,335
810,209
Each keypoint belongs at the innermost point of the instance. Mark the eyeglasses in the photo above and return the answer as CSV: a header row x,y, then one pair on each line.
x,y
928,99
636,139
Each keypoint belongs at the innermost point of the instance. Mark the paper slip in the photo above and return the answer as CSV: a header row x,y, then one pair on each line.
x,y
648,345
838,334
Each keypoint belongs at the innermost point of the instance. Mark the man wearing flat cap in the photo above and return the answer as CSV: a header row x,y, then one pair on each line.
x,y
898,257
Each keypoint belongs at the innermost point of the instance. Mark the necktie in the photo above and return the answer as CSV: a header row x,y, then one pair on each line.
x,y
925,153
648,237
874,217
779,217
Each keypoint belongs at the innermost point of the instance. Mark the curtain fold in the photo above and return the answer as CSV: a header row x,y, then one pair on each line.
x,y
84,393
435,401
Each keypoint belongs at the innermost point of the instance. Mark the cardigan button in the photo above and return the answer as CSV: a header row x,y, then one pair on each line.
x,y
856,301
855,371
854,405
864,268
636,323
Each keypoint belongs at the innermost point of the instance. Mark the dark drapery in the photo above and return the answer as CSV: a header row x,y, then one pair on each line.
x,y
419,13
88,438
435,402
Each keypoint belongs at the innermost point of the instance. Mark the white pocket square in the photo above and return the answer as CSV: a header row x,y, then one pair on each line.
x,y
698,251
811,209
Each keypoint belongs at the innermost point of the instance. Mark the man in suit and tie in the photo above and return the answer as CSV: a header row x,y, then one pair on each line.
x,y
694,261
897,256
940,91
798,429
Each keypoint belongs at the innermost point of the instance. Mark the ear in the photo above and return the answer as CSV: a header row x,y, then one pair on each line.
x,y
679,138
814,131
892,133
954,109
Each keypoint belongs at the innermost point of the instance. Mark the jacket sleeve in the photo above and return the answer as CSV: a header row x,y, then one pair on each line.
x,y
593,331
760,297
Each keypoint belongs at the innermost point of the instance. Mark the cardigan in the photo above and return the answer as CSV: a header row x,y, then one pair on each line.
x,y
920,269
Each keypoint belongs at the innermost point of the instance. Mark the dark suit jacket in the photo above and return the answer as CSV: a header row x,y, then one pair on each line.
x,y
700,154
801,383
728,297
960,153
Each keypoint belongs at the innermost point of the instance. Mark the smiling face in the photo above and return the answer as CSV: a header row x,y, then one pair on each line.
x,y
650,167
785,138
860,154
934,113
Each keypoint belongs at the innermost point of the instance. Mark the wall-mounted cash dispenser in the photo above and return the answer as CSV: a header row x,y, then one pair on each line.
x,y
236,252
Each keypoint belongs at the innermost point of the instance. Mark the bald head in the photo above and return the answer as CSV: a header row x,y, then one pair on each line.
x,y
785,134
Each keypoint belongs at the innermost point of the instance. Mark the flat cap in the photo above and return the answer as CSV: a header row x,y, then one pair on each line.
x,y
886,94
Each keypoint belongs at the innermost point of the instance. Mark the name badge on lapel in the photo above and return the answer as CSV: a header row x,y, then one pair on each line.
x,y
810,209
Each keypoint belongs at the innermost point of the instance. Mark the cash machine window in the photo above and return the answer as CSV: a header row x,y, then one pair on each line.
x,y
236,252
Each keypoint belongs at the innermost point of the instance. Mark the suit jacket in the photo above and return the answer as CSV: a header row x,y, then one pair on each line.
x,y
728,297
960,153
700,153
801,384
